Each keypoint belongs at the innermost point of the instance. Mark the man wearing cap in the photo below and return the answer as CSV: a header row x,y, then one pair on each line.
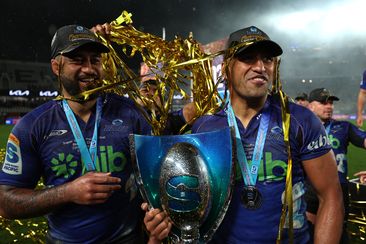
x,y
302,99
340,134
361,100
149,85
254,212
81,151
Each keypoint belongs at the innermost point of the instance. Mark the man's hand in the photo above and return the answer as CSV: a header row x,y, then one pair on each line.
x,y
157,224
103,30
362,176
359,121
92,188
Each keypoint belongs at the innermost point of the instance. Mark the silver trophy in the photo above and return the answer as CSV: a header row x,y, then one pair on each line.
x,y
189,176
185,191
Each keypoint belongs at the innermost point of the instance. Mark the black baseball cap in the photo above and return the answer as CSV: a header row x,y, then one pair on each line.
x,y
149,82
301,96
70,37
321,95
252,37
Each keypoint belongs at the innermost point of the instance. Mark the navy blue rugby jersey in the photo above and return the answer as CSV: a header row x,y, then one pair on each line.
x,y
42,145
341,133
308,141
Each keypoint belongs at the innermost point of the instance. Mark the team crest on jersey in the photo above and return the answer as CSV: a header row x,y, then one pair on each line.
x,y
117,125
13,158
117,122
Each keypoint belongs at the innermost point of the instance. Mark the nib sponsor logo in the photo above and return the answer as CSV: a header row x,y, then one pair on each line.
x,y
107,161
322,141
64,165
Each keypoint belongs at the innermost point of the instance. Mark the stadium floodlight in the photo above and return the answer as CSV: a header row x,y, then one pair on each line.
x,y
332,20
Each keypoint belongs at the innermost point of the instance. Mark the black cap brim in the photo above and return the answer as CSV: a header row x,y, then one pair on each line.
x,y
267,45
97,46
333,98
325,99
149,82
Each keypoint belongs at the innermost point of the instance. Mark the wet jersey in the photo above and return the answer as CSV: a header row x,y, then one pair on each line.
x,y
341,133
308,141
43,145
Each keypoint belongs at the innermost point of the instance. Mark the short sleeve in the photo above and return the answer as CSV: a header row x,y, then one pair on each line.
x,y
21,166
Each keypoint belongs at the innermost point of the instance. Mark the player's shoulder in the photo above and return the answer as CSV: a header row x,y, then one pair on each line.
x,y
115,98
300,111
39,112
118,101
296,111
210,122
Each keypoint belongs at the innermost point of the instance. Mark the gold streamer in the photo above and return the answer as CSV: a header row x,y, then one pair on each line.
x,y
2,155
174,63
181,61
287,206
356,224
178,58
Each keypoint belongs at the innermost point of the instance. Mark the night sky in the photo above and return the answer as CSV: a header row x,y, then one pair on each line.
x,y
323,41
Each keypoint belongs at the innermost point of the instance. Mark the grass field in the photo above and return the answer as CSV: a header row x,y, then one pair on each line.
x,y
22,230
4,133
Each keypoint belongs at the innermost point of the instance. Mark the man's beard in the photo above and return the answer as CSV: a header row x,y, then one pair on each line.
x,y
73,89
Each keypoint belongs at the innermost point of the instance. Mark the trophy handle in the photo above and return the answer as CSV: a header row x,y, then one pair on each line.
x,y
137,173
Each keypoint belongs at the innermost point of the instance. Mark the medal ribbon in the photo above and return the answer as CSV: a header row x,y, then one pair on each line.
x,y
88,157
249,172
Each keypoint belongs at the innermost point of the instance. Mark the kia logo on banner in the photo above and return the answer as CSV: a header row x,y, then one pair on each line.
x,y
48,93
19,93
28,93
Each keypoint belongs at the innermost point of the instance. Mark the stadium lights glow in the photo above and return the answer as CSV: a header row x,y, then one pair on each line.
x,y
306,81
332,20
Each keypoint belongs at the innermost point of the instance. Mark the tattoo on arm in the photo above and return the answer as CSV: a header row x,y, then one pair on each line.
x,y
27,203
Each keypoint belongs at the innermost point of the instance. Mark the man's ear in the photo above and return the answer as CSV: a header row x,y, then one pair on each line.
x,y
55,66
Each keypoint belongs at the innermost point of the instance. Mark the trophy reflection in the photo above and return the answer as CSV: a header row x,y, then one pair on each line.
x,y
189,176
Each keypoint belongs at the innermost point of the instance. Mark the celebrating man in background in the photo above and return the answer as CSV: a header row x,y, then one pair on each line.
x,y
340,134
302,99
361,99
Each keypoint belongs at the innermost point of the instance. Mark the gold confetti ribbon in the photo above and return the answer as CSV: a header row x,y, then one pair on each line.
x,y
181,61
356,224
287,206
175,65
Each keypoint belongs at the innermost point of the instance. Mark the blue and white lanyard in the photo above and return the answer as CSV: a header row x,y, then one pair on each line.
x,y
327,128
88,157
249,172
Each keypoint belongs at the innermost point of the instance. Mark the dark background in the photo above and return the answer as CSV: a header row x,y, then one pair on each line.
x,y
323,41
